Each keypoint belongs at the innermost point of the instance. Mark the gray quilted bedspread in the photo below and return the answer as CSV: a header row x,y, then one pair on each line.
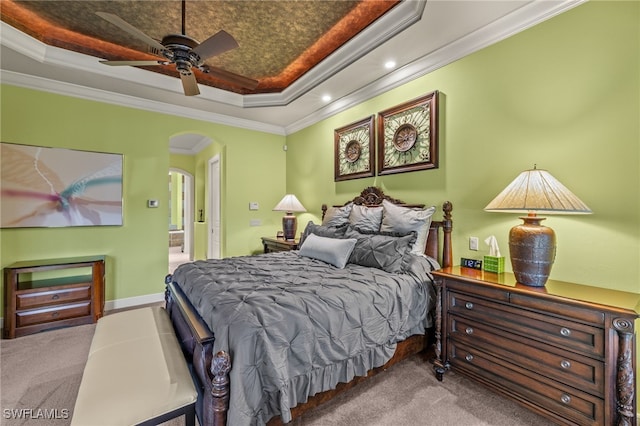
x,y
296,326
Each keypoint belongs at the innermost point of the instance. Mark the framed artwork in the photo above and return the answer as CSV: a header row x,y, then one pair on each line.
x,y
55,187
354,150
408,136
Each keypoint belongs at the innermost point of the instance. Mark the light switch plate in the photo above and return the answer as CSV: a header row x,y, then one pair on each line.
x,y
253,205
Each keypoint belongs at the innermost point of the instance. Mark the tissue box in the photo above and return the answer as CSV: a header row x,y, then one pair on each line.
x,y
494,264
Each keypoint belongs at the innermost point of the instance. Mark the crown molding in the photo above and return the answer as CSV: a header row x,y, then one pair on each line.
x,y
526,17
521,19
97,95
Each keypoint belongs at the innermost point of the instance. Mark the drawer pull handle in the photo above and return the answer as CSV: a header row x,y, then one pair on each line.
x,y
55,297
469,330
565,364
468,305
469,357
565,332
55,314
566,399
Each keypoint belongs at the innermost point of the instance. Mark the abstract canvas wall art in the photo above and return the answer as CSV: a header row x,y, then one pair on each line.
x,y
56,187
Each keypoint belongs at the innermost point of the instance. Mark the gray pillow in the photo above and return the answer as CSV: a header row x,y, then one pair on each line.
x,y
331,250
404,220
323,231
337,216
366,218
382,250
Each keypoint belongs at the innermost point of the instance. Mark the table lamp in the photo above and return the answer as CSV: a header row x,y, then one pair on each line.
x,y
289,204
532,246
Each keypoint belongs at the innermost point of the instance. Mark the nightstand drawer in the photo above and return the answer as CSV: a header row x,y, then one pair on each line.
x,y
562,400
561,332
54,313
35,298
557,364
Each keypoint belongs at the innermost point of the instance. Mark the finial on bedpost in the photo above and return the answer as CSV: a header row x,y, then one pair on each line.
x,y
324,210
447,248
220,367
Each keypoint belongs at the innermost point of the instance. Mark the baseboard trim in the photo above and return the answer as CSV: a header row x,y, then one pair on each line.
x,y
133,301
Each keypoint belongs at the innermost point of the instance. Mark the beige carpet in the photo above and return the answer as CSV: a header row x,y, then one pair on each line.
x,y
41,373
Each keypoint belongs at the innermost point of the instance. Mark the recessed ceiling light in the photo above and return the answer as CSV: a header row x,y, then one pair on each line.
x,y
326,98
389,64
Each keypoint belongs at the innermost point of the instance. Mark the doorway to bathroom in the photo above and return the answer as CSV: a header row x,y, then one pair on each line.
x,y
180,218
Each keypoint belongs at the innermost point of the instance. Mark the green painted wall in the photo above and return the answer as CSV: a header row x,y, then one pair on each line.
x,y
138,251
564,95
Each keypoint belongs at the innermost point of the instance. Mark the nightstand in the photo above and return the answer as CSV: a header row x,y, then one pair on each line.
x,y
272,244
565,350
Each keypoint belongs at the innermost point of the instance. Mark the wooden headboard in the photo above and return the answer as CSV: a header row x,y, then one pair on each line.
x,y
437,248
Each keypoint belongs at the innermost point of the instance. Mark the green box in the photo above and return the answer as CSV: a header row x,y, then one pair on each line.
x,y
494,264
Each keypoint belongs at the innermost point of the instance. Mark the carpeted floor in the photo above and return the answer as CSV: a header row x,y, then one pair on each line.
x,y
41,373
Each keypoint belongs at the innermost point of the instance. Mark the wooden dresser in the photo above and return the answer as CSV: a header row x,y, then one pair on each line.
x,y
45,294
566,351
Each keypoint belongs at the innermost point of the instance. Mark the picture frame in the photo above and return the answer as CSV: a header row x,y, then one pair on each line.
x,y
354,150
408,136
44,187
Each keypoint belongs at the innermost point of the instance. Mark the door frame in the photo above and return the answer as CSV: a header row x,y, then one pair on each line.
x,y
214,228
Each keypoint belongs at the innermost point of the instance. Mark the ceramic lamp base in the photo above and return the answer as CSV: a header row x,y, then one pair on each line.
x,y
289,226
533,249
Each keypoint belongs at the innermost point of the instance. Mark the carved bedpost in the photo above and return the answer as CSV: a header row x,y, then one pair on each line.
x,y
625,380
220,367
439,365
447,247
324,210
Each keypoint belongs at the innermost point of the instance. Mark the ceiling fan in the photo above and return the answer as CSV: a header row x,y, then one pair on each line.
x,y
185,52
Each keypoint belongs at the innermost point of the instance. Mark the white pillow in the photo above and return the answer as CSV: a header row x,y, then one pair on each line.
x,y
404,220
366,218
335,251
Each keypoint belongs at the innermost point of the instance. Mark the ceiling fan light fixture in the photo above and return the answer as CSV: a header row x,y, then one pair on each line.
x,y
183,51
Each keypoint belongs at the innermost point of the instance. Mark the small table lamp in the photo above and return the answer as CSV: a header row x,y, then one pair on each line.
x,y
532,247
289,204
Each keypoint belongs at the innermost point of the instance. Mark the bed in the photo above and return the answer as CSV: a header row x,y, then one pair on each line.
x,y
299,327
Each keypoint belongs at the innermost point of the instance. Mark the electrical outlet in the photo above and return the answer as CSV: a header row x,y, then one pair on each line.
x,y
473,243
255,222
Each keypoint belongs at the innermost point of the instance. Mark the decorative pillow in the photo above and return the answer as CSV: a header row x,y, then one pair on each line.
x,y
337,216
331,250
366,218
382,250
323,231
404,220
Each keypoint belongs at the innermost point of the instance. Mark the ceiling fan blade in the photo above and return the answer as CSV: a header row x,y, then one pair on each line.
x,y
242,81
189,84
218,43
133,63
124,25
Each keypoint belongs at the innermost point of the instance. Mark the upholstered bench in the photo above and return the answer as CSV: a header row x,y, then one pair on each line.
x,y
135,373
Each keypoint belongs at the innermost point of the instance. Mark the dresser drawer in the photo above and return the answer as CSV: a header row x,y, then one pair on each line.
x,y
539,359
564,401
37,298
53,313
544,328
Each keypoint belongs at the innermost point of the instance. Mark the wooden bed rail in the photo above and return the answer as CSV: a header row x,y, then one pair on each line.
x,y
197,341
